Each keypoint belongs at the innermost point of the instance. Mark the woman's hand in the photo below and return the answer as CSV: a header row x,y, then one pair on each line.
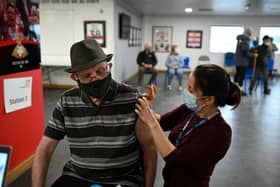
x,y
145,112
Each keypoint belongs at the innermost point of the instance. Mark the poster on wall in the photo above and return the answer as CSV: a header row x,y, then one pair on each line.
x,y
95,30
194,39
19,35
162,38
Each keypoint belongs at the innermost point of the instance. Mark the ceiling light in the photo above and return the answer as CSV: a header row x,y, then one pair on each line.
x,y
188,10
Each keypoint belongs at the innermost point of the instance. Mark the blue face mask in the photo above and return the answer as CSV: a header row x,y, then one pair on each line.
x,y
190,100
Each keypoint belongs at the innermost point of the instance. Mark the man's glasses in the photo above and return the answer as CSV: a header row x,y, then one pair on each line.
x,y
97,74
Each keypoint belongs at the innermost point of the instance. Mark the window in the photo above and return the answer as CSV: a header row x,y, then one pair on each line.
x,y
273,32
223,38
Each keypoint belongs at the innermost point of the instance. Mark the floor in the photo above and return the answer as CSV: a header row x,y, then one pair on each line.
x,y
253,159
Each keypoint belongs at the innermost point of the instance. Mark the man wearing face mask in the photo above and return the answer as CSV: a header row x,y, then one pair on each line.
x,y
99,122
261,65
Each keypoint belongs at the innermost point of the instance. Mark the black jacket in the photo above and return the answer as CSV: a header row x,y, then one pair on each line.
x,y
263,53
146,57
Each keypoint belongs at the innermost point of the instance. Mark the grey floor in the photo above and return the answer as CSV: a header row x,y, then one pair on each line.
x,y
254,156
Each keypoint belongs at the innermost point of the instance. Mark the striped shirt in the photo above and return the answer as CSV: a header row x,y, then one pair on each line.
x,y
102,138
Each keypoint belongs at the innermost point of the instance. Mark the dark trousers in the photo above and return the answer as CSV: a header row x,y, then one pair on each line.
x,y
69,181
240,75
141,72
260,71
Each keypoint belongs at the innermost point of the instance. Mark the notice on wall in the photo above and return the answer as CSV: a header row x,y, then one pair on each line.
x,y
17,93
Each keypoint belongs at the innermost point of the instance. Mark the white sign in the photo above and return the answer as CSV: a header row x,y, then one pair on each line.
x,y
17,93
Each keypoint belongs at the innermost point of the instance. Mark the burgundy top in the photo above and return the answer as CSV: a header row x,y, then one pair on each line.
x,y
192,163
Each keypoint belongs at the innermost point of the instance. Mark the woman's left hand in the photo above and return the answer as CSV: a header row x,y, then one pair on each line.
x,y
145,112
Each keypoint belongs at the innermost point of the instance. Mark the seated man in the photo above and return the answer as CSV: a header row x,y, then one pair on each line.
x,y
146,60
99,122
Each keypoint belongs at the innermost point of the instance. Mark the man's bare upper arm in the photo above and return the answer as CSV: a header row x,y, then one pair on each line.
x,y
47,144
143,135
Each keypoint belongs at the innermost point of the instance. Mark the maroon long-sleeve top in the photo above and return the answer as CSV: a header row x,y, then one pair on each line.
x,y
192,162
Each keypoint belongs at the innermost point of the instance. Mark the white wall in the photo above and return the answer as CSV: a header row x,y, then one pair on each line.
x,y
181,24
62,25
125,57
56,40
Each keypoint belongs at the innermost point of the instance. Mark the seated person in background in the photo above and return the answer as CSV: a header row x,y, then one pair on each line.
x,y
146,60
99,122
174,64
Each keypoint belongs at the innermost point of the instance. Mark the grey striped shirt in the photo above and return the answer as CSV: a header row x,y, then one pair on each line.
x,y
102,139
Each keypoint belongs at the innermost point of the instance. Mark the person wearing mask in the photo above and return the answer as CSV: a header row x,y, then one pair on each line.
x,y
146,61
99,121
272,48
242,57
199,136
174,64
261,65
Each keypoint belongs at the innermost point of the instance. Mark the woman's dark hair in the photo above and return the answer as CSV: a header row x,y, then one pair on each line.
x,y
213,80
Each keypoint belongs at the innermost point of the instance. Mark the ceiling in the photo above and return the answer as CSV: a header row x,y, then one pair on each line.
x,y
205,7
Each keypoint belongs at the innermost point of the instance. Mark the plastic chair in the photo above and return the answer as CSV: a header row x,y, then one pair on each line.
x,y
203,59
229,59
186,63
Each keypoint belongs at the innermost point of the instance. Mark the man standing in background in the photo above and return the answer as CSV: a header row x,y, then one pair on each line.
x,y
147,61
242,57
261,65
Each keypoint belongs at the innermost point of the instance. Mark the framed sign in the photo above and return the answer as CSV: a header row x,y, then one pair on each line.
x,y
96,30
194,39
162,38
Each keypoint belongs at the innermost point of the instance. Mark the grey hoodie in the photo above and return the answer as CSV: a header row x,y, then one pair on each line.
x,y
242,53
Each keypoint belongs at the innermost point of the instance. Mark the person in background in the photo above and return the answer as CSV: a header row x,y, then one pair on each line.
x,y
99,122
261,65
199,136
174,64
2,9
146,61
242,57
13,25
272,48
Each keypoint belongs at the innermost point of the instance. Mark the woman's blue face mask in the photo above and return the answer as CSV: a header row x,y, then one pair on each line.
x,y
190,100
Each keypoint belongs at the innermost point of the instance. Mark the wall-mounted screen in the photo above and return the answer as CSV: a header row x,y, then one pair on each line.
x,y
124,26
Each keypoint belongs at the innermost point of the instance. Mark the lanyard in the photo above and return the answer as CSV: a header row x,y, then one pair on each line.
x,y
183,131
